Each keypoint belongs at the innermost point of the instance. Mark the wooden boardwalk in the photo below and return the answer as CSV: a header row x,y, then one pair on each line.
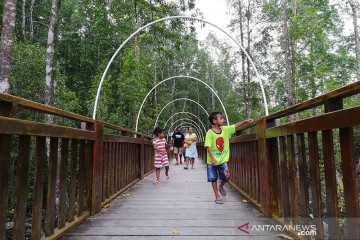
x,y
185,203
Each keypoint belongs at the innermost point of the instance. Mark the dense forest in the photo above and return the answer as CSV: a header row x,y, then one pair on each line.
x,y
318,59
55,52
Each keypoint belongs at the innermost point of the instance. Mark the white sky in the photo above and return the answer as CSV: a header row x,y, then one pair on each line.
x,y
215,12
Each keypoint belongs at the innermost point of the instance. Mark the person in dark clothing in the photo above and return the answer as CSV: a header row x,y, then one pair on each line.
x,y
177,139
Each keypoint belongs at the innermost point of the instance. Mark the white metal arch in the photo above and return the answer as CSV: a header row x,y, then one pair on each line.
x,y
199,136
185,113
177,17
174,77
196,129
157,119
186,119
193,122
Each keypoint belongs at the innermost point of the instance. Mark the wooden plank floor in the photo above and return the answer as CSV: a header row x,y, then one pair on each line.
x,y
185,203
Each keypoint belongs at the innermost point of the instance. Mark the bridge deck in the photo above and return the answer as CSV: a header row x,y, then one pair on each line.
x,y
185,204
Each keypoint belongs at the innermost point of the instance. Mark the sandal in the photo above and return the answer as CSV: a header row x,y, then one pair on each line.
x,y
156,182
186,168
168,178
176,164
219,201
223,194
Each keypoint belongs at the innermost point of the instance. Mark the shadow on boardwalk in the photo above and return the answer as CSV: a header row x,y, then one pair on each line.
x,y
185,203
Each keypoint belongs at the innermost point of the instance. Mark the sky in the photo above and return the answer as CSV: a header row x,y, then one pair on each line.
x,y
215,12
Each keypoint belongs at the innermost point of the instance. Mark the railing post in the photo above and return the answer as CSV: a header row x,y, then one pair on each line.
x,y
349,182
263,168
98,165
330,173
7,109
86,169
274,171
142,157
269,176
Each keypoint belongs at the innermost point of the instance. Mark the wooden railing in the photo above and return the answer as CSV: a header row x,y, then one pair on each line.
x,y
80,173
280,168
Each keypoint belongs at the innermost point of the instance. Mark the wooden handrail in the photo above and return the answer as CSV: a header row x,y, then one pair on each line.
x,y
98,167
269,166
43,108
12,126
347,91
27,104
114,127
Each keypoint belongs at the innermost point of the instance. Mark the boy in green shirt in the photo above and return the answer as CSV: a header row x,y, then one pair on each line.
x,y
218,148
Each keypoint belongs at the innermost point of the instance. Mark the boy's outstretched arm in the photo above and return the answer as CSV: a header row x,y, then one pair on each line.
x,y
243,122
213,160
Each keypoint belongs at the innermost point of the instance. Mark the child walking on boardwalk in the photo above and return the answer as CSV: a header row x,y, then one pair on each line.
x,y
218,152
161,158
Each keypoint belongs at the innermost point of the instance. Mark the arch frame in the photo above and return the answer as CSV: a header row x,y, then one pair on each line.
x,y
178,99
175,77
185,113
188,119
200,136
177,17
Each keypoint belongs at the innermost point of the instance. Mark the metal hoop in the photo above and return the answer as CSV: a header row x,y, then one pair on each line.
x,y
182,119
178,100
186,113
174,77
176,17
200,136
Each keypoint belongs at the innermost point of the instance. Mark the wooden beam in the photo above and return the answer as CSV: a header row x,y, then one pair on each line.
x,y
328,121
24,103
11,126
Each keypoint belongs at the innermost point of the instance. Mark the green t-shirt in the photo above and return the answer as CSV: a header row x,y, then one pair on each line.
x,y
219,143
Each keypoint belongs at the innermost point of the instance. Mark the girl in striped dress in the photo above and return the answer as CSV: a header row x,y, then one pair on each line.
x,y
161,157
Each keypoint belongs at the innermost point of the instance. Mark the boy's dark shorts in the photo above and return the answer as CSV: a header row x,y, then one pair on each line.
x,y
221,170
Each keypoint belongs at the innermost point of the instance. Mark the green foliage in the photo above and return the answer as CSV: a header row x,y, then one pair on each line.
x,y
28,72
90,32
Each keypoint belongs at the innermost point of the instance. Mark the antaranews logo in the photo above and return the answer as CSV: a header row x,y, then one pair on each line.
x,y
304,230
245,225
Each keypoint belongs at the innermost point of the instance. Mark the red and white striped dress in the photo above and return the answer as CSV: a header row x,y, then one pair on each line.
x,y
161,158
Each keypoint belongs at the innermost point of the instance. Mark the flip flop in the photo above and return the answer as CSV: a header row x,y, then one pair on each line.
x,y
156,182
223,194
186,168
168,178
176,164
219,201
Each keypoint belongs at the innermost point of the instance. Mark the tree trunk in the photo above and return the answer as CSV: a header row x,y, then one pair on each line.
x,y
288,73
240,13
23,19
155,82
248,89
31,20
198,98
212,86
50,85
172,97
137,53
357,40
7,43
136,25
294,67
